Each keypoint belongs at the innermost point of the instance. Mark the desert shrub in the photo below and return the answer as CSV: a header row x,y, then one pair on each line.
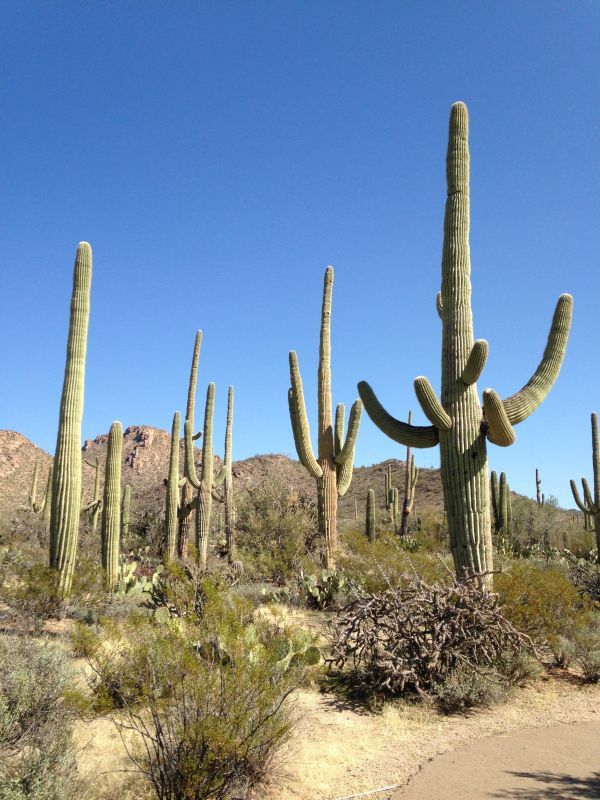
x,y
585,574
465,688
277,531
37,758
411,640
586,645
540,601
375,566
563,651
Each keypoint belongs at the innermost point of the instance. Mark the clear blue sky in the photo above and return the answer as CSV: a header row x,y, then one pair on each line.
x,y
219,155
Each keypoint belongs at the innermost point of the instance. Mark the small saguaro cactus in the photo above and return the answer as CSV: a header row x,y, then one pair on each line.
x,y
388,486
187,504
539,496
591,503
111,507
333,466
206,483
411,476
66,475
125,509
172,483
371,517
95,507
459,424
44,506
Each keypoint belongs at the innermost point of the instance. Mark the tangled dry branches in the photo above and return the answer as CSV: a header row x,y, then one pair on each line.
x,y
412,639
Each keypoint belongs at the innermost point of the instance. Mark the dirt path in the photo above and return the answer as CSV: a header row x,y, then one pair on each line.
x,y
562,761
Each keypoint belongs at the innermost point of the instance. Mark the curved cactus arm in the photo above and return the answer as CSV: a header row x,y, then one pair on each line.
x,y
524,402
439,304
587,496
220,478
499,429
305,454
294,422
338,431
190,467
410,435
432,408
347,451
475,362
182,482
196,436
577,498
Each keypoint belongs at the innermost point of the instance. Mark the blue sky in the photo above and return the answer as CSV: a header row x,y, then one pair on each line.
x,y
219,155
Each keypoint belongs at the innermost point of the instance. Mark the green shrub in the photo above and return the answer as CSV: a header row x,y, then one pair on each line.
x,y
38,758
586,641
540,601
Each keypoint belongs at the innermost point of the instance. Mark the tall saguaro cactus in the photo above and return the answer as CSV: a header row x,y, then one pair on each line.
x,y
333,466
66,475
591,503
206,483
187,490
172,483
228,499
111,507
459,424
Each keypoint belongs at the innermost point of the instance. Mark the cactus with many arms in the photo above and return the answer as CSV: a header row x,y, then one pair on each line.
x,y
591,503
206,483
371,517
459,424
66,475
111,507
333,466
411,476
186,506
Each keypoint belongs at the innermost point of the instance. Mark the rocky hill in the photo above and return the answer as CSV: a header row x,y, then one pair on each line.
x,y
145,462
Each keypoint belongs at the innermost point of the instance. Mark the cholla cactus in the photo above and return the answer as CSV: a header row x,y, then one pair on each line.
x,y
591,503
371,518
111,507
66,475
459,424
333,466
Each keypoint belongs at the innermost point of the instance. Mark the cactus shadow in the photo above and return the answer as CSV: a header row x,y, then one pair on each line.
x,y
554,786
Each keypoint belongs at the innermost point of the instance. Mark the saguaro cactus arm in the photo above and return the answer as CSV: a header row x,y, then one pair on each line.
x,y
499,429
577,498
190,467
592,504
524,402
439,304
410,435
338,430
432,408
300,420
347,451
475,362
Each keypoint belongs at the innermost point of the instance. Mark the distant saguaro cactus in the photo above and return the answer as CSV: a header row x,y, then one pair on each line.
x,y
44,506
111,506
66,475
411,476
371,517
501,504
591,503
125,509
458,423
540,498
228,499
173,484
332,469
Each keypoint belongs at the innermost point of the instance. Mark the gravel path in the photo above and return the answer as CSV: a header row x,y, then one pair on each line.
x,y
562,761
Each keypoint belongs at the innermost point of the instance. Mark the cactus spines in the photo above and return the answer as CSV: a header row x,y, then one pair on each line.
x,y
371,517
66,476
539,495
591,503
125,509
459,423
172,484
111,507
333,466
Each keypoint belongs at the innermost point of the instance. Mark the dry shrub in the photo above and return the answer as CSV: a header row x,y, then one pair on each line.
x,y
414,639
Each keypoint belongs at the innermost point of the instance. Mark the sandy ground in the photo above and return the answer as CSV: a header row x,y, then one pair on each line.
x,y
338,750
556,762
